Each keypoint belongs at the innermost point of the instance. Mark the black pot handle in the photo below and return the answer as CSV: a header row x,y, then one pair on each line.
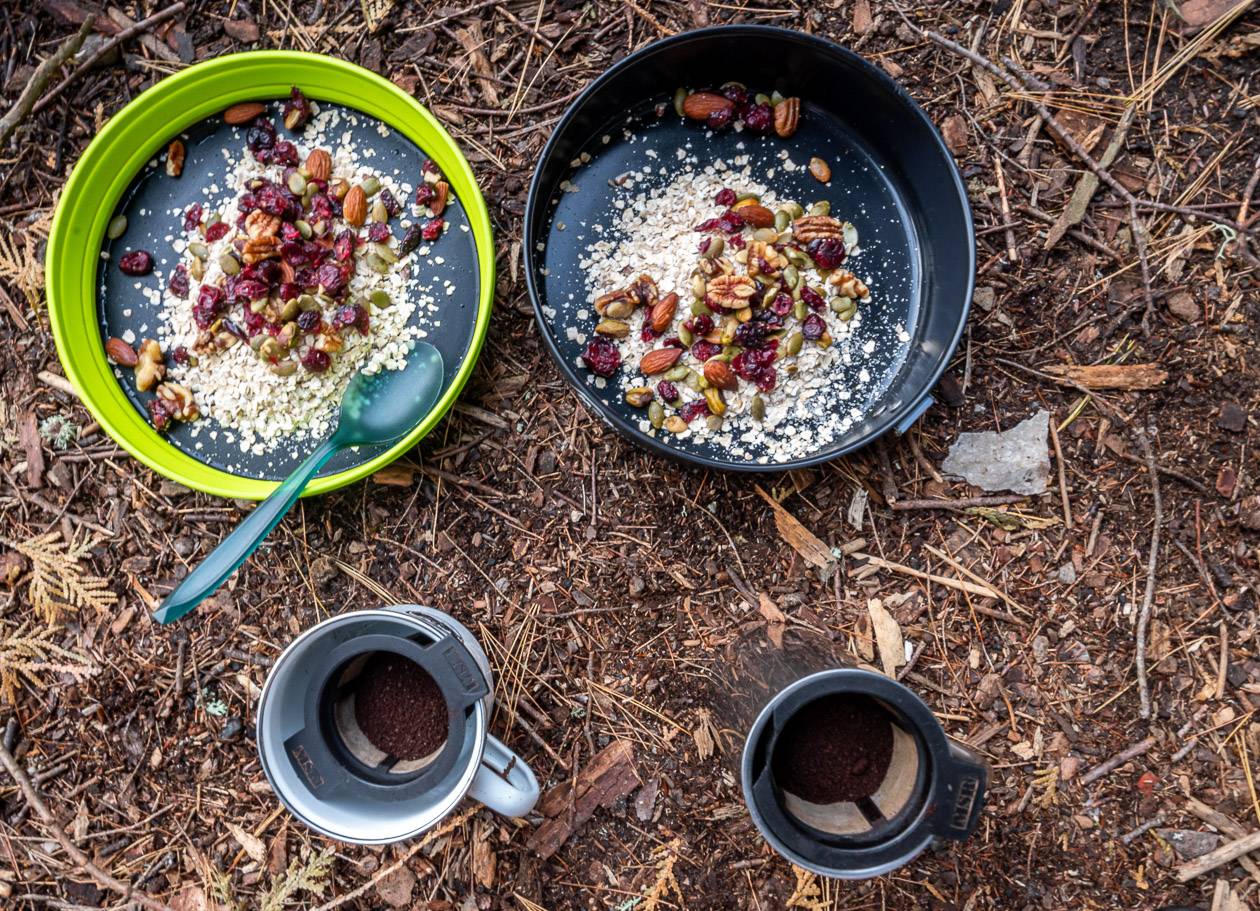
x,y
960,788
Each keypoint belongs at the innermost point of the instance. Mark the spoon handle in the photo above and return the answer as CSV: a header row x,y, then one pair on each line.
x,y
244,539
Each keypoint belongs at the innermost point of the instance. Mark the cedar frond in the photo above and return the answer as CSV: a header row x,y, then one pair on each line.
x,y
58,583
26,652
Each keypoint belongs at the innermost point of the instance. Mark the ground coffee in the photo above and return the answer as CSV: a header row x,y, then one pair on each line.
x,y
835,749
399,707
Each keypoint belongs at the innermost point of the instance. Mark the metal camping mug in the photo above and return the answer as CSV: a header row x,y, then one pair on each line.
x,y
329,774
931,787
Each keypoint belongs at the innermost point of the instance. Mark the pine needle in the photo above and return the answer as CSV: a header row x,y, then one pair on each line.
x,y
58,584
27,652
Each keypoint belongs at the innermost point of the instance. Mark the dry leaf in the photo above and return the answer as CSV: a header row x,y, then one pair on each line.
x,y
955,133
1110,376
892,648
801,539
251,844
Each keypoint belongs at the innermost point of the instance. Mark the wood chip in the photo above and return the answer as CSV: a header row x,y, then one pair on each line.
x,y
862,20
800,538
1111,376
250,844
607,778
888,639
33,446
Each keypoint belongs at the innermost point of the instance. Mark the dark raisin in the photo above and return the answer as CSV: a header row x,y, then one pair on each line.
x,y
178,284
693,409
703,350
308,320
378,232
137,262
297,110
813,327
390,202
316,361
410,240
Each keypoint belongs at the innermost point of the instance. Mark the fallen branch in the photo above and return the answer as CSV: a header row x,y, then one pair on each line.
x,y
40,78
81,860
1224,854
1227,825
959,502
1144,618
125,35
1110,765
1128,377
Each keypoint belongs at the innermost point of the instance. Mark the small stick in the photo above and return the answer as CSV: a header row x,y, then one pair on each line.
x,y
1012,251
1224,854
126,34
40,78
1130,837
1228,825
81,860
1110,765
1058,460
960,502
1223,666
1148,599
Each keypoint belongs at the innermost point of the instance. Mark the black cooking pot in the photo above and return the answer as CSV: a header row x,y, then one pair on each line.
x,y
892,176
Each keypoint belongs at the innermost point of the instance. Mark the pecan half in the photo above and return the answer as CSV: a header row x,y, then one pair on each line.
x,y
255,251
730,292
643,291
787,116
810,228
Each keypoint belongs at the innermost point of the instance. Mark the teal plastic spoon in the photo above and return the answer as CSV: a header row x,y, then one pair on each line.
x,y
376,408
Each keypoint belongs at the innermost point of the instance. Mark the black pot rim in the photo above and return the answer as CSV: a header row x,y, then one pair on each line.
x,y
899,419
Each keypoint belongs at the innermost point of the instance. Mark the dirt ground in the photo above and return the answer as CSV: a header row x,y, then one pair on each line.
x,y
625,598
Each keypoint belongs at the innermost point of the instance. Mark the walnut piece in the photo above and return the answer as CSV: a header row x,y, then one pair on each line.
x,y
150,365
848,285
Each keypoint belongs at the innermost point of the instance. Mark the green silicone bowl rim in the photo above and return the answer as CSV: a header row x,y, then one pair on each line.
x,y
135,135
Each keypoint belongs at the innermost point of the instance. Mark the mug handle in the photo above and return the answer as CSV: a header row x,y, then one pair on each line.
x,y
503,782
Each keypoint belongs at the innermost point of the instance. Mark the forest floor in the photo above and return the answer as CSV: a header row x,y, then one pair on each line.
x,y
626,598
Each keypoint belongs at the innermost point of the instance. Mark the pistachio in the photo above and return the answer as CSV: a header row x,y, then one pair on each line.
x,y
371,186
847,308
258,306
378,212
717,404
685,336
638,396
766,235
285,367
613,327
289,335
794,343
270,349
715,247
656,414
308,303
758,408
297,183
117,227
255,341
675,424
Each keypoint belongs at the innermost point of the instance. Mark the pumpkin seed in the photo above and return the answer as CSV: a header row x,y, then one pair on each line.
x,y
782,220
700,308
743,315
199,250
792,276
304,228
613,327
229,264
638,396
794,209
307,302
847,310
685,336
270,349
288,336
794,342
117,227
385,253
800,310
850,235
775,97
290,310
715,247
255,342
379,212
693,380
656,415
766,235
213,219
197,269
758,408
741,197
761,98
717,404
795,257
370,185
297,183
376,264
677,374
713,422
825,340
698,285
822,207
285,367
675,424
258,306
380,300
680,95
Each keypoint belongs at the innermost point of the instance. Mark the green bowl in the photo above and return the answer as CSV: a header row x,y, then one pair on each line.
x,y
131,138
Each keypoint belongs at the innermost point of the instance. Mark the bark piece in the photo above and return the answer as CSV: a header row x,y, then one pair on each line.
x,y
607,778
1111,376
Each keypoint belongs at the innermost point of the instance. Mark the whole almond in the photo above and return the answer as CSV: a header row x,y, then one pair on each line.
x,y
319,165
354,207
663,312
699,105
175,153
719,374
787,116
120,352
756,216
442,192
659,360
243,112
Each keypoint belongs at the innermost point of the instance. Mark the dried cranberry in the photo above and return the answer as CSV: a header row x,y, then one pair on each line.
x,y
667,391
709,224
725,198
735,241
204,314
349,315
720,119
322,207
343,246
812,298
703,350
425,194
827,252
782,304
674,342
316,361
759,118
410,240
648,334
249,289
430,168
731,222
181,356
289,232
260,135
331,279
702,324
297,110
192,216
159,414
390,202
178,284
745,366
137,262
308,320
813,327
217,231
254,322
693,409
735,92
288,291
294,253
304,278
602,357
284,153
432,229
378,232
766,379
704,245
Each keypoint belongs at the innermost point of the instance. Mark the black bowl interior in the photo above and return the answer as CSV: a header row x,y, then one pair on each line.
x,y
891,175
125,311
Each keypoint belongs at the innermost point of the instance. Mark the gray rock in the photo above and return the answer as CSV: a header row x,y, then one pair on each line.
x,y
1067,573
1015,459
1190,844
